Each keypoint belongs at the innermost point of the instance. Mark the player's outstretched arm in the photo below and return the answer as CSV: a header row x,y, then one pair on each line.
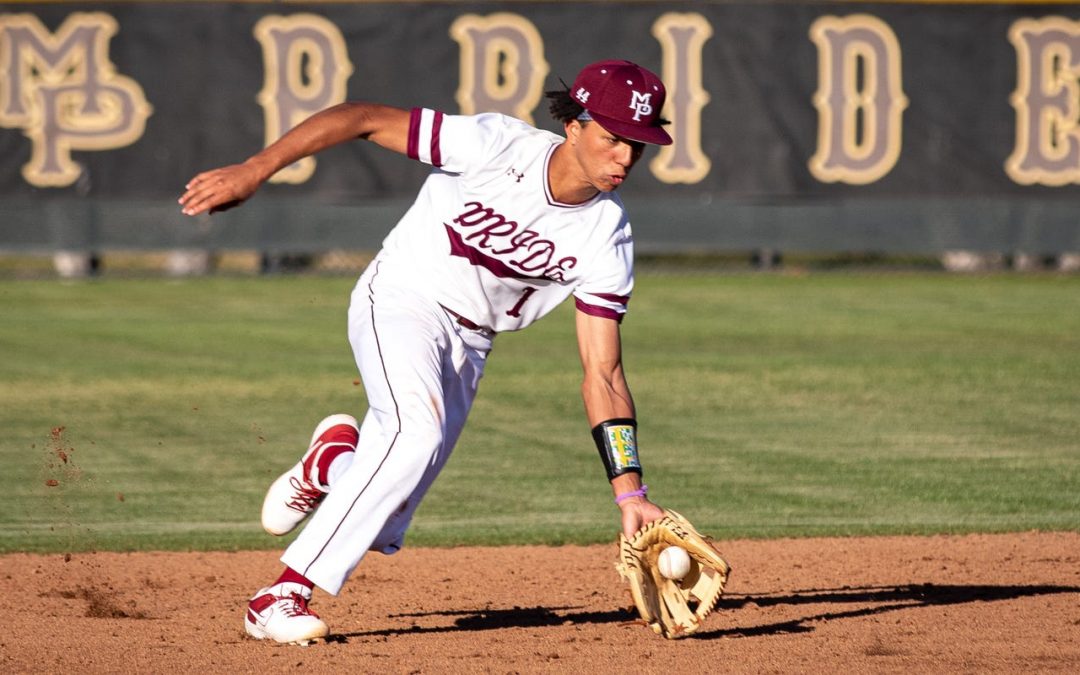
x,y
610,409
228,186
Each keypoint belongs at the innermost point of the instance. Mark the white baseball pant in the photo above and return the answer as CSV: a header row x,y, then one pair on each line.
x,y
420,370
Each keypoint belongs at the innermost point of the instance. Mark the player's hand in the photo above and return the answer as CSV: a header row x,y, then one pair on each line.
x,y
220,189
636,512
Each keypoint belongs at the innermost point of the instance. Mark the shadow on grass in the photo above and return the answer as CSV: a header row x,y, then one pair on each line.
x,y
871,601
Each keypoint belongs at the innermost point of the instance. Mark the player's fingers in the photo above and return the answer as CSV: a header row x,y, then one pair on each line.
x,y
194,208
189,196
203,178
201,199
195,193
207,178
193,189
216,190
206,192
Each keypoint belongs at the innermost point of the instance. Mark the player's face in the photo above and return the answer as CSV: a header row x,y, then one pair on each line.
x,y
605,159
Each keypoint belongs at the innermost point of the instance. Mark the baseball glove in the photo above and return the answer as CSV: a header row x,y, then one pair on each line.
x,y
672,608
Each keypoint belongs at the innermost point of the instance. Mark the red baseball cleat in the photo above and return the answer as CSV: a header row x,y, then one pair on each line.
x,y
298,491
281,613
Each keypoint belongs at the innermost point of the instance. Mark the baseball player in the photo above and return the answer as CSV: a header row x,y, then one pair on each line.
x,y
511,221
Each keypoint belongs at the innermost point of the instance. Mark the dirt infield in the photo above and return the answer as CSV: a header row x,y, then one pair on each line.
x,y
974,604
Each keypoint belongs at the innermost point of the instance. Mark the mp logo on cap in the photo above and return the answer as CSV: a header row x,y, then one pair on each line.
x,y
640,104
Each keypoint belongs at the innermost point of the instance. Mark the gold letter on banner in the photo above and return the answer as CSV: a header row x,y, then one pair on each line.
x,y
860,100
307,69
682,37
1047,148
502,64
63,92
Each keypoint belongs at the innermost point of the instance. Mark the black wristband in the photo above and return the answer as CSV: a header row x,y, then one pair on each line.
x,y
616,440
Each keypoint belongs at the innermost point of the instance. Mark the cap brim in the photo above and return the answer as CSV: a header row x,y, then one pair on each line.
x,y
635,132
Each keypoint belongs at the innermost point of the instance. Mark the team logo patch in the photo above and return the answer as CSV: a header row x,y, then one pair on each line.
x,y
623,446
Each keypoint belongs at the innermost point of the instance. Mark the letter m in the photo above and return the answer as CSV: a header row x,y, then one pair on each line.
x,y
64,93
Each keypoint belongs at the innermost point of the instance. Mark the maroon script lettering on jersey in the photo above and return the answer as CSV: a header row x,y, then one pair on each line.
x,y
488,239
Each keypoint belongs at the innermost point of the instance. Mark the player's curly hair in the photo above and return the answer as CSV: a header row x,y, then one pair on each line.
x,y
562,105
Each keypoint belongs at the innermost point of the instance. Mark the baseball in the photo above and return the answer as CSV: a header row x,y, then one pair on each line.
x,y
674,562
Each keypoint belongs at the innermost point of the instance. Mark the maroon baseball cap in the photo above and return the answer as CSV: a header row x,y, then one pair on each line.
x,y
624,98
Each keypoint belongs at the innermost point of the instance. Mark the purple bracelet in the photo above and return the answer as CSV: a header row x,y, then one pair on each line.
x,y
640,492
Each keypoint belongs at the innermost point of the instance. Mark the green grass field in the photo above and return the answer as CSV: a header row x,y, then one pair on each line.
x,y
769,405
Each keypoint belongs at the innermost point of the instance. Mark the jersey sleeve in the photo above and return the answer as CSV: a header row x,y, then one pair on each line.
x,y
606,292
456,143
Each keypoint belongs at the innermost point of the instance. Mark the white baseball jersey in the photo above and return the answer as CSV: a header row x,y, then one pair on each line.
x,y
487,239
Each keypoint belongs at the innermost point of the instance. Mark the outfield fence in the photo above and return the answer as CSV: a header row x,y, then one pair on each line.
x,y
906,128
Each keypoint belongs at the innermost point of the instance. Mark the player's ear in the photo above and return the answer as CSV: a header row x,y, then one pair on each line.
x,y
573,130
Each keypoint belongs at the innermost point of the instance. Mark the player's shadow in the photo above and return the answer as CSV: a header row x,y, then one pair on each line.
x,y
842,603
495,619
871,600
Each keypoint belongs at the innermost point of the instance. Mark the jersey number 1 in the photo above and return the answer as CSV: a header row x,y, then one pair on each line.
x,y
515,311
